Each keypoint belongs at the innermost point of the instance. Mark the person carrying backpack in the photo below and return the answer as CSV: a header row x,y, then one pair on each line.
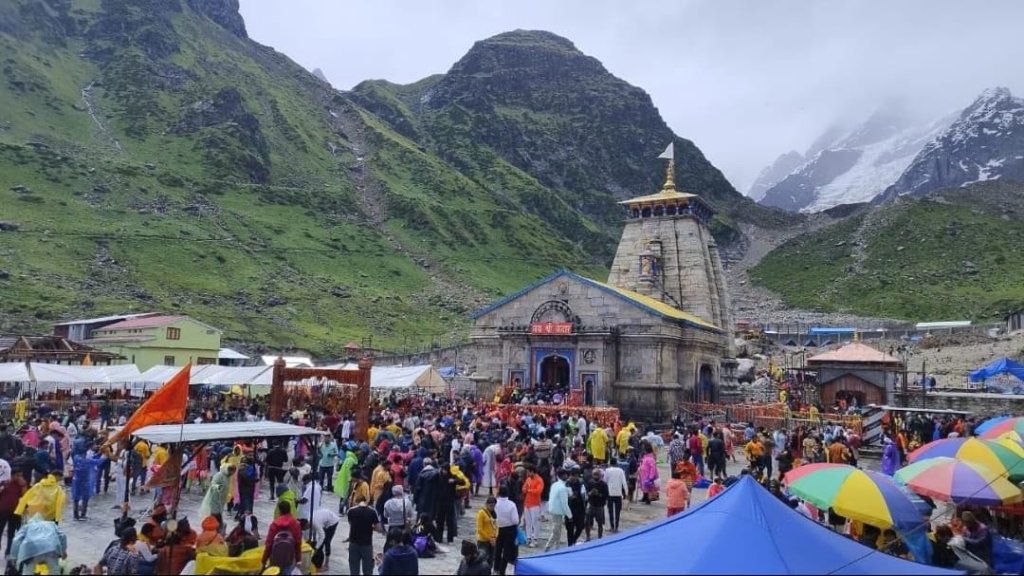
x,y
284,539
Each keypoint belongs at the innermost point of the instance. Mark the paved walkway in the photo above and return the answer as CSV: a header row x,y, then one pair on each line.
x,y
88,538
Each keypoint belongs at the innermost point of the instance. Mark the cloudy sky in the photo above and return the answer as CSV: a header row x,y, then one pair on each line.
x,y
746,81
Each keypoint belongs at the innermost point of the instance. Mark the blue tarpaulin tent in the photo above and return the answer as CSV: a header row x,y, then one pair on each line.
x,y
1001,366
744,530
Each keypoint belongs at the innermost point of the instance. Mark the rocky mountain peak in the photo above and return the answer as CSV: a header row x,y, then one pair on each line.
x,y
544,54
224,12
771,175
854,165
986,142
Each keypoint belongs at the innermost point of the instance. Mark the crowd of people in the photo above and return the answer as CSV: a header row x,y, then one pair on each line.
x,y
411,479
424,464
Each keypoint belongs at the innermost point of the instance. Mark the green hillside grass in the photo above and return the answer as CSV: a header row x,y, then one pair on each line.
x,y
218,182
955,255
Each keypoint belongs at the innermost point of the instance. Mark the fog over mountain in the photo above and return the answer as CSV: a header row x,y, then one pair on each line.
x,y
745,81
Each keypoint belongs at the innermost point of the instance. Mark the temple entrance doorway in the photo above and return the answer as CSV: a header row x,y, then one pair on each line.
x,y
554,372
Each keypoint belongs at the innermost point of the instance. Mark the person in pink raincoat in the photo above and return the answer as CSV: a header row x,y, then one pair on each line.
x,y
648,474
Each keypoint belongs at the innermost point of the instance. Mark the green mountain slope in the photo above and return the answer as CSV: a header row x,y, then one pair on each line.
x,y
152,157
954,255
548,124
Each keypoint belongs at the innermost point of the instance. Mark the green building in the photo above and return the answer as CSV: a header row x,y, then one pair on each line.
x,y
159,340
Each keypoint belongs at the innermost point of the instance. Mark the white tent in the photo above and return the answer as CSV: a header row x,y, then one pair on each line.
x,y
14,372
290,361
229,354
231,375
424,378
50,377
342,366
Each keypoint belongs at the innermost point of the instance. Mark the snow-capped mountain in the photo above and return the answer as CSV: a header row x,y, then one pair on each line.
x,y
779,169
857,165
986,142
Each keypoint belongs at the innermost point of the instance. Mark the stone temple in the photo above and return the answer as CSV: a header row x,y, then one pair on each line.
x,y
656,334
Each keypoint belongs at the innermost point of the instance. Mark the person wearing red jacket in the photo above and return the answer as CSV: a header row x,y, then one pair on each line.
x,y
284,522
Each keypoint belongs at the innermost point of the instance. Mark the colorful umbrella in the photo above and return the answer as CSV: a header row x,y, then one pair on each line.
x,y
991,454
870,497
959,481
984,426
1013,441
1001,427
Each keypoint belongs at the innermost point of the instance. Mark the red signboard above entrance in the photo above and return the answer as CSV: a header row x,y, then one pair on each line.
x,y
551,328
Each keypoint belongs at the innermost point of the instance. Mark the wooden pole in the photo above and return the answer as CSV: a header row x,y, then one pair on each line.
x,y
277,391
363,399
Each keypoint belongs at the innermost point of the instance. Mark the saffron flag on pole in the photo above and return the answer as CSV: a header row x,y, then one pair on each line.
x,y
166,406
669,153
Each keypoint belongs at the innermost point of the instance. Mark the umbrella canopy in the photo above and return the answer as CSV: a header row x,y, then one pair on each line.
x,y
1013,441
1001,427
870,497
991,454
959,481
984,426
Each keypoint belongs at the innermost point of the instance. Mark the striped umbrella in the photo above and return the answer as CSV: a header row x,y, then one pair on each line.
x,y
991,454
980,429
870,497
959,481
1001,427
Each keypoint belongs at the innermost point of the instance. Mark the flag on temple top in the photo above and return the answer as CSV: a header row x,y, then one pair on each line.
x,y
166,406
670,152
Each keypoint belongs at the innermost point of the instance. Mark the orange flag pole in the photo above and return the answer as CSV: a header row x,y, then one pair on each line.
x,y
166,406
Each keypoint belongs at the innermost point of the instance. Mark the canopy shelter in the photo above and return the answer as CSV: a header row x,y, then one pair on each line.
x,y
424,378
174,433
1002,366
289,361
14,372
50,377
745,530
257,379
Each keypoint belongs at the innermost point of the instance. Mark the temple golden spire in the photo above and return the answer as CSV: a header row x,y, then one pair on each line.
x,y
670,177
670,173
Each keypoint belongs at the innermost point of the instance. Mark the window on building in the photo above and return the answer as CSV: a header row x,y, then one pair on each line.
x,y
201,361
168,360
174,333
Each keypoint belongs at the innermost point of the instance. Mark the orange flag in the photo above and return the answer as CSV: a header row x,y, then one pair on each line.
x,y
166,406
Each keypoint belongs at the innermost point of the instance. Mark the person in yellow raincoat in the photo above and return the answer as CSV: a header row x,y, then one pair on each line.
x,y
598,443
622,439
20,408
461,488
160,455
814,414
235,460
45,498
381,476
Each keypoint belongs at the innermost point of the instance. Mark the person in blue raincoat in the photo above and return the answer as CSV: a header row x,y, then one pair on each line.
x,y
38,542
890,457
83,484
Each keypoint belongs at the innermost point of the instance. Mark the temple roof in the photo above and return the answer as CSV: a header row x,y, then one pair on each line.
x,y
663,196
652,305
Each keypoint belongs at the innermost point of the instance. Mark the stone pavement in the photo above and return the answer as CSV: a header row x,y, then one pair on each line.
x,y
88,538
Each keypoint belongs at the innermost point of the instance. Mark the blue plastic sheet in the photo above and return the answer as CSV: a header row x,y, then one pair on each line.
x,y
1007,555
